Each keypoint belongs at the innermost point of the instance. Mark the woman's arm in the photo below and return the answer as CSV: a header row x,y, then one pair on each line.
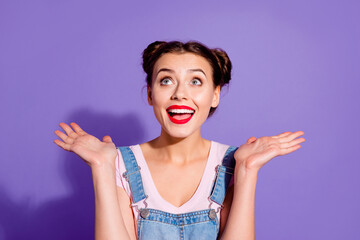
x,y
109,222
240,223
100,156
250,157
126,212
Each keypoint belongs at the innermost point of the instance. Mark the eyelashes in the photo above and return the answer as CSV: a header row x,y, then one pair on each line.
x,y
163,80
197,80
168,81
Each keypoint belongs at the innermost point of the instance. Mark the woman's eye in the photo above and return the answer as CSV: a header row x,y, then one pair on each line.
x,y
165,81
196,81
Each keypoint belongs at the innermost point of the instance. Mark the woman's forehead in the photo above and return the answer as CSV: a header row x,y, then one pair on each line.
x,y
182,60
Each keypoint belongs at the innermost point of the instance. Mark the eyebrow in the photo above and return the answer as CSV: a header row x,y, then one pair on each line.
x,y
172,71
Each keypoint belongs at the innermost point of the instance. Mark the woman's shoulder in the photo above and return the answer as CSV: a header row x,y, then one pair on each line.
x,y
124,150
147,146
221,146
219,149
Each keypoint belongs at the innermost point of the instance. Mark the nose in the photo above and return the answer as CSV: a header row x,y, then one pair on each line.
x,y
180,92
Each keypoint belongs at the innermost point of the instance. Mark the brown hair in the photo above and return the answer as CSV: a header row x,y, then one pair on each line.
x,y
218,59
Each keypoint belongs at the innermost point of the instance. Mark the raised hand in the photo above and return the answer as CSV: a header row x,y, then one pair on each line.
x,y
256,152
93,151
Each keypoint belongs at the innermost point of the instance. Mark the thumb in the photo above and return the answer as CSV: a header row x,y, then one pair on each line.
x,y
107,139
251,140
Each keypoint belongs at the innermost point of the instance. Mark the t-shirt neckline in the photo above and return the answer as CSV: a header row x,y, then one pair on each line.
x,y
199,189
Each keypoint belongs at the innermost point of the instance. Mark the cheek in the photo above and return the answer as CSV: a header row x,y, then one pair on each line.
x,y
159,100
204,99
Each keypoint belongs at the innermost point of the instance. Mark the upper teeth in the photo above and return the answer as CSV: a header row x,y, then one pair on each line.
x,y
181,111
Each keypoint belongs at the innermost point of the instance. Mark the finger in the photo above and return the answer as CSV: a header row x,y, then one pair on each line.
x,y
285,151
68,129
77,129
251,140
292,143
63,145
282,135
291,136
107,139
64,137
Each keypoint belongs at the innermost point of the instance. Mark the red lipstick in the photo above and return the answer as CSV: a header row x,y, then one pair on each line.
x,y
179,121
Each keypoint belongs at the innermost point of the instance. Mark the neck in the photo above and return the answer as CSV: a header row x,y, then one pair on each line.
x,y
181,150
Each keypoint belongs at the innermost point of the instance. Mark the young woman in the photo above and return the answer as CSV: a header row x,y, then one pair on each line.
x,y
177,186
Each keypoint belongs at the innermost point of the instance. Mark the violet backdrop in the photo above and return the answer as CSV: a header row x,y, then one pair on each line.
x,y
295,67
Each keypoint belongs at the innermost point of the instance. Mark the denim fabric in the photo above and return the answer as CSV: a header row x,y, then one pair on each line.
x,y
224,173
155,224
132,174
162,225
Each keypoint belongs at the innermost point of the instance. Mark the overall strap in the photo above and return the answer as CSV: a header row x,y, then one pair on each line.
x,y
132,174
224,173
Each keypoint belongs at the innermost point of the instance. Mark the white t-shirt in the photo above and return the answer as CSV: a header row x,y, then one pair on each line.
x,y
199,201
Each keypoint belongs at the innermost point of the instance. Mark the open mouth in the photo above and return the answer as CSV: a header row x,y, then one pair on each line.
x,y
180,114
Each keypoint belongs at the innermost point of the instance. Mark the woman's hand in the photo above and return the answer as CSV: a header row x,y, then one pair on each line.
x,y
93,151
255,153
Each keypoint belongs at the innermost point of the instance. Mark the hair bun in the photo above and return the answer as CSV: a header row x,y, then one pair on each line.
x,y
224,64
148,53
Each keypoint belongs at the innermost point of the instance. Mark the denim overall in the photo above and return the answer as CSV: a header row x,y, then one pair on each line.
x,y
155,224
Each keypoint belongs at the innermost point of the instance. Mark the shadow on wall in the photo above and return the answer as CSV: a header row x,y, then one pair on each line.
x,y
71,217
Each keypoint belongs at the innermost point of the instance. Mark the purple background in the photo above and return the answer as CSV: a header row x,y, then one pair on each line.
x,y
296,67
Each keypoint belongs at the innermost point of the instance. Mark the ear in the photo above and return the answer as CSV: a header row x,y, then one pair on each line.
x,y
149,95
216,98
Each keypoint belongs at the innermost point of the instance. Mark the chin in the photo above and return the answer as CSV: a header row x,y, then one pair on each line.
x,y
178,133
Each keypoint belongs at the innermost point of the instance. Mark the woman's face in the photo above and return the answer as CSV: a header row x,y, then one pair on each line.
x,y
182,93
